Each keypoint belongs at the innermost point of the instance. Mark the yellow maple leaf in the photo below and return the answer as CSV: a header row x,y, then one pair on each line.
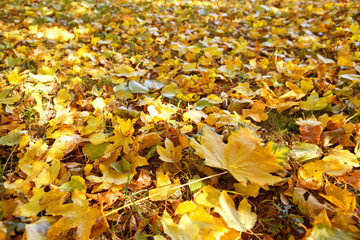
x,y
185,230
242,156
123,130
241,219
208,196
338,161
170,153
62,146
110,178
14,77
313,102
341,198
164,189
256,112
73,215
32,208
185,207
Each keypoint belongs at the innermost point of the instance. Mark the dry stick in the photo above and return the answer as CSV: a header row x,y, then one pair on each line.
x,y
176,187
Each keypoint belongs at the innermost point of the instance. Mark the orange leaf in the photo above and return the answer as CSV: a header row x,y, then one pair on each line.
x,y
256,112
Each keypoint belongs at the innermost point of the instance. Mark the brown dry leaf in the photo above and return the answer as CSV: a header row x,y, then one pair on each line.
x,y
329,138
307,203
149,140
351,178
144,180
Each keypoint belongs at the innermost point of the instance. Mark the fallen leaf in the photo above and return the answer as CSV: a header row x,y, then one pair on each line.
x,y
341,198
73,216
307,203
170,153
241,219
242,156
256,112
164,188
185,230
352,178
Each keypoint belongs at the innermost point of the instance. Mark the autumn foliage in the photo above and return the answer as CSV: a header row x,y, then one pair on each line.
x,y
179,119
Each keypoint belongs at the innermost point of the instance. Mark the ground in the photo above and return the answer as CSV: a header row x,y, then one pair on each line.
x,y
139,119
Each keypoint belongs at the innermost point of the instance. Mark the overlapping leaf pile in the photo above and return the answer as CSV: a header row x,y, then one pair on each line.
x,y
179,119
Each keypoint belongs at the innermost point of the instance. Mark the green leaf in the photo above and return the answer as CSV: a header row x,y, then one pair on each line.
x,y
197,185
324,232
203,103
11,139
11,61
305,152
170,90
122,166
281,152
153,84
136,87
122,91
76,182
8,100
94,151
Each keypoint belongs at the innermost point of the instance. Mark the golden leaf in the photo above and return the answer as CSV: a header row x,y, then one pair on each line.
x,y
73,215
341,198
242,156
256,112
170,153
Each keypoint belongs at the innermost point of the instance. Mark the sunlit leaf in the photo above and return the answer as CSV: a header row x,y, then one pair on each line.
x,y
185,230
241,219
242,156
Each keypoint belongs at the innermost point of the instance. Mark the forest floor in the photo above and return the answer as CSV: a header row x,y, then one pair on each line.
x,y
179,119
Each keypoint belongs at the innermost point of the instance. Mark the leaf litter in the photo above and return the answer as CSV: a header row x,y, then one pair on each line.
x,y
179,119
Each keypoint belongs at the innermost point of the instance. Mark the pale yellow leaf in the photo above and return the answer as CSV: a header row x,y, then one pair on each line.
x,y
241,219
185,230
242,156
